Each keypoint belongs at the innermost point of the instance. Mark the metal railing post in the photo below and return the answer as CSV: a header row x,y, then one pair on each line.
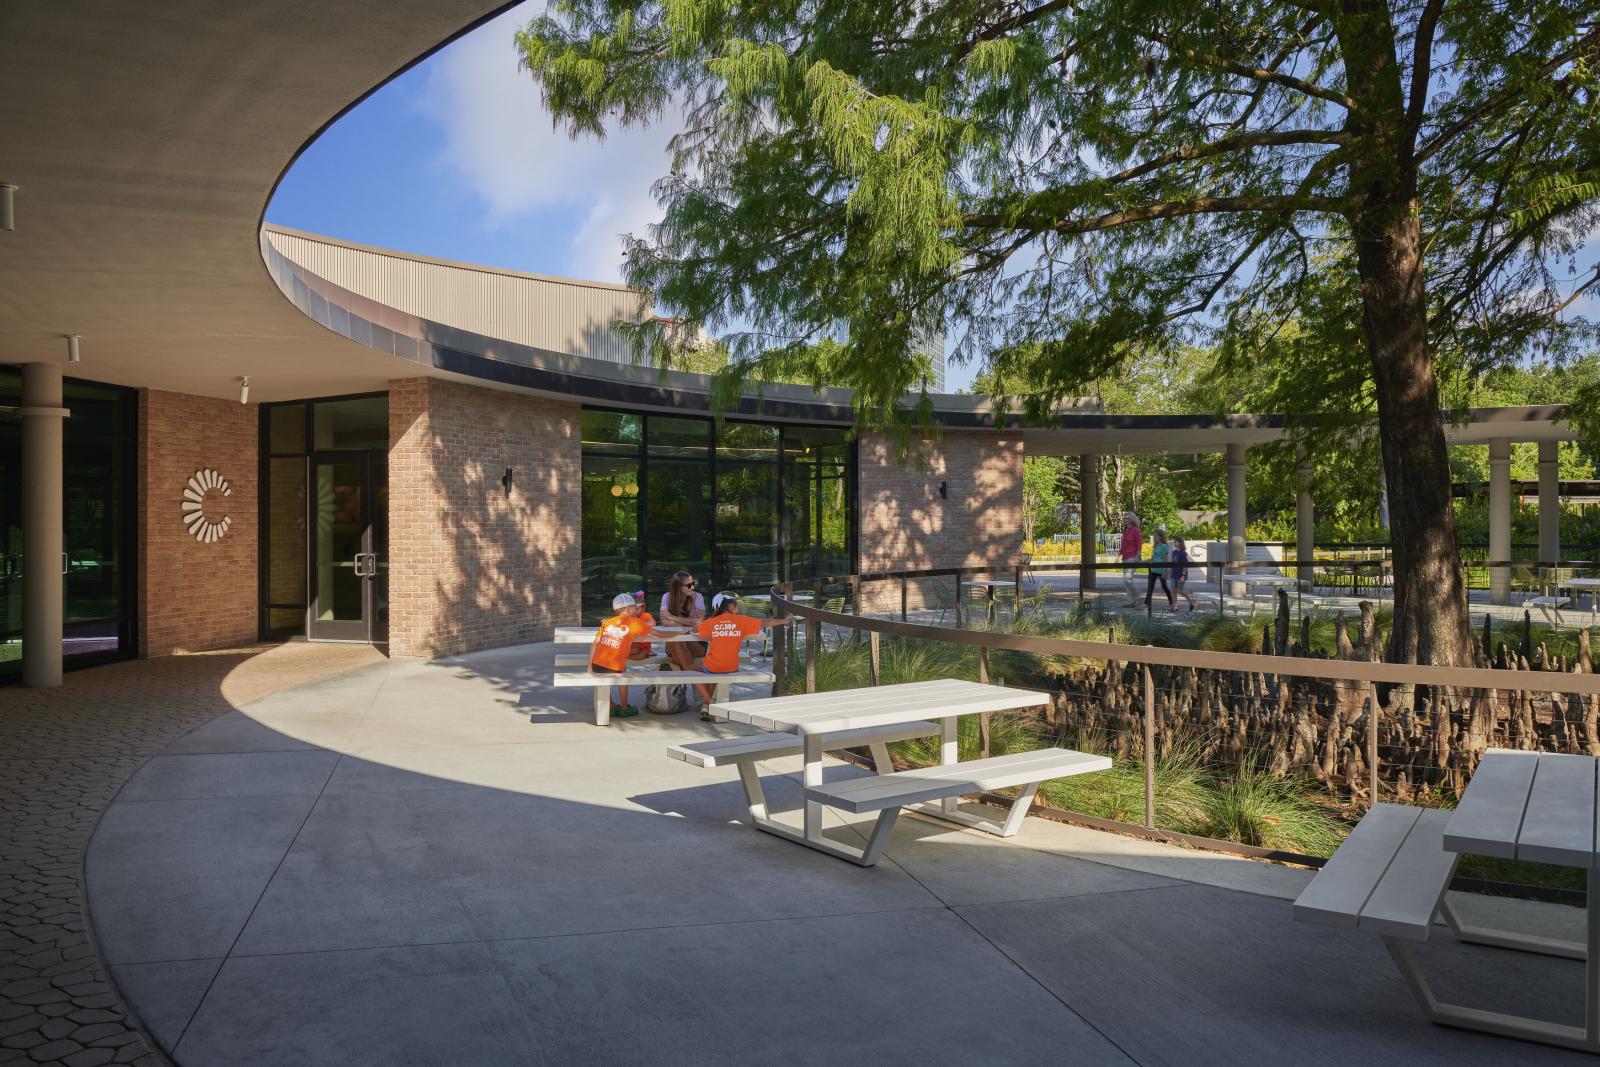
x,y
813,639
1149,750
875,658
958,598
903,600
780,655
1372,744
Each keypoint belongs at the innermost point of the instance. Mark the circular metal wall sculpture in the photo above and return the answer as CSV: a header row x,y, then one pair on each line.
x,y
203,506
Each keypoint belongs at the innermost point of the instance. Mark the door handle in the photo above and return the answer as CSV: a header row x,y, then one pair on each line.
x,y
358,558
63,563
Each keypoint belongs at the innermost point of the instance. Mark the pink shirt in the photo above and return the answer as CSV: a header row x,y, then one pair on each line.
x,y
1132,543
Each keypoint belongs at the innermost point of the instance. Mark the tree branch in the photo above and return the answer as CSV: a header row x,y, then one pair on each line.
x,y
1422,64
1259,74
1507,94
1231,144
1172,209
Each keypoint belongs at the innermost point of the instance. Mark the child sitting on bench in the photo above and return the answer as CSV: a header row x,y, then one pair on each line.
x,y
724,630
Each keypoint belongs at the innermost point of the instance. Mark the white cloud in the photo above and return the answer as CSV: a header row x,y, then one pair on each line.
x,y
499,141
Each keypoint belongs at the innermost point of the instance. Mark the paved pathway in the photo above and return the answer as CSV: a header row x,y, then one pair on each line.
x,y
397,866
64,753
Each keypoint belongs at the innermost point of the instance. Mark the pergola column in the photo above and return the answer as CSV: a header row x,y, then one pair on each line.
x,y
43,590
1499,519
1236,504
1304,517
1549,501
1088,521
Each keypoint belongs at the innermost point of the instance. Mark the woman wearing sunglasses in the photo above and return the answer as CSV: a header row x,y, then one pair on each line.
x,y
682,606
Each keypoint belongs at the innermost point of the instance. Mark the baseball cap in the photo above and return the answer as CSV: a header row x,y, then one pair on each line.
x,y
622,600
722,598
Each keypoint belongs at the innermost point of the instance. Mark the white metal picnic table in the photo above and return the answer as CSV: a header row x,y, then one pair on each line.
x,y
1589,585
815,715
1540,807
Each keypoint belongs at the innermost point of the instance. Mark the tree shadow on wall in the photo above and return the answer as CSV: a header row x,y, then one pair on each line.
x,y
502,557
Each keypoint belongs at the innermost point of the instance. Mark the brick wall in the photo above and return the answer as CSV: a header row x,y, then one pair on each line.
x,y
470,566
195,595
906,525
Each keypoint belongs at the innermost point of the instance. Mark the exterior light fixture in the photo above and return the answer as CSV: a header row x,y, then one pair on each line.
x,y
8,207
944,490
73,355
505,480
244,389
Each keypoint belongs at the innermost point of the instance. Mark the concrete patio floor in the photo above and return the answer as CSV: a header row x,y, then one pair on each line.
x,y
395,865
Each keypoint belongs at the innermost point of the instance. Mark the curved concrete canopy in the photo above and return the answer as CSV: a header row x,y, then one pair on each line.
x,y
145,140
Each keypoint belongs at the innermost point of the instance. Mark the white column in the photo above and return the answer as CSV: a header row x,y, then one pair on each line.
x,y
1305,517
42,587
1236,508
1499,519
1549,501
1089,521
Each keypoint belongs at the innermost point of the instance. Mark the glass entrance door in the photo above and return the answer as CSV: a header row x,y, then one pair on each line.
x,y
349,547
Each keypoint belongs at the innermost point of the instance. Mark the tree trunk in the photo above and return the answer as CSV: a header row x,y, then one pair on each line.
x,y
1431,624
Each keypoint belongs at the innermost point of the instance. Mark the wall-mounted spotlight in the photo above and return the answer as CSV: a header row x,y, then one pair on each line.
x,y
944,490
244,389
8,206
73,355
505,480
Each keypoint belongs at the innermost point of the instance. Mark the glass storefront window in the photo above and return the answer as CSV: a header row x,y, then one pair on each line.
x,y
612,431
677,522
611,546
741,505
98,450
286,429
684,438
361,423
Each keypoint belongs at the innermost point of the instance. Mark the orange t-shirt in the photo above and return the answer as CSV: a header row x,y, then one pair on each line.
x,y
724,635
615,639
644,646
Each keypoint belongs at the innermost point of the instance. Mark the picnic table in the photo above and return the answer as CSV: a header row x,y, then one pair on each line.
x,y
1589,585
816,717
1390,877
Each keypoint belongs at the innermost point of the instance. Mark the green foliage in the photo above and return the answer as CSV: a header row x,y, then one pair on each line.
x,y
1083,186
1254,807
1043,481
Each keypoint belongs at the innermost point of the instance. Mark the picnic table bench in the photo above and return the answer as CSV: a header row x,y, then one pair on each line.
x,y
1390,876
601,683
816,722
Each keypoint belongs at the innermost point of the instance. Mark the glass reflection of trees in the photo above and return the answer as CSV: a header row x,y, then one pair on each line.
x,y
742,505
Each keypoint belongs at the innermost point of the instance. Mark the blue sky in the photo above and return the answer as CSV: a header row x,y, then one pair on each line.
x,y
456,158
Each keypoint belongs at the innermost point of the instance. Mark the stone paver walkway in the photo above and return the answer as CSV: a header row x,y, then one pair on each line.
x,y
447,863
64,753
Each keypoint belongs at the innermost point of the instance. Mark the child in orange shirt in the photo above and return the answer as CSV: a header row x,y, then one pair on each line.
x,y
614,646
725,630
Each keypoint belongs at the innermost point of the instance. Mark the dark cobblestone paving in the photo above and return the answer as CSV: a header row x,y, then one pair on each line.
x,y
63,755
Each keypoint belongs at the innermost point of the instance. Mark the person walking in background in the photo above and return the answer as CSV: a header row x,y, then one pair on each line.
x,y
1180,572
1132,548
1160,552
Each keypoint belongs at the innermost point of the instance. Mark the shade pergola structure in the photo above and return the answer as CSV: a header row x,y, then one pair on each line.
x,y
1092,435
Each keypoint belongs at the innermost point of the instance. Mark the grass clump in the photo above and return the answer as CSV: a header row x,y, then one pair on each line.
x,y
1254,807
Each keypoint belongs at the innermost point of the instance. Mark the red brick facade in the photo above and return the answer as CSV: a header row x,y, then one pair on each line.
x,y
472,566
195,595
906,524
